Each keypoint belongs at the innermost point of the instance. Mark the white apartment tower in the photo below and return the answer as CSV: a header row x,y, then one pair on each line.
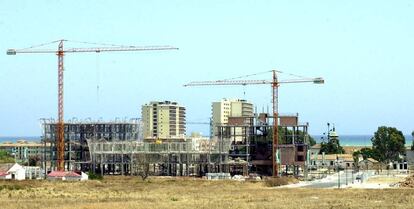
x,y
163,120
226,108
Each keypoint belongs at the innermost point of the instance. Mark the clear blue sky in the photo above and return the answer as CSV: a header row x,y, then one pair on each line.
x,y
364,50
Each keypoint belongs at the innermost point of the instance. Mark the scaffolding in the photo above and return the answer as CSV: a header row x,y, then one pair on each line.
x,y
251,142
76,134
163,158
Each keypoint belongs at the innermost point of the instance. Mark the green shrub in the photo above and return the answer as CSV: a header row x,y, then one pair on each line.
x,y
94,176
11,187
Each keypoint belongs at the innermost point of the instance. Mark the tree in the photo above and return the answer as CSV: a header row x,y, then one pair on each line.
x,y
143,166
286,135
33,161
388,144
311,141
365,152
332,147
5,157
412,145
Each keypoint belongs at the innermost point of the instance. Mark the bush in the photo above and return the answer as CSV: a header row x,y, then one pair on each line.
x,y
6,157
11,187
279,181
94,176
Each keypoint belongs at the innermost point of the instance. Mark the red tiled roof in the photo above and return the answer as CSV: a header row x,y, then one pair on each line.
x,y
3,173
63,174
5,167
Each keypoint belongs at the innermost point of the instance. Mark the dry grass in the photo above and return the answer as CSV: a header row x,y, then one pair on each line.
x,y
127,192
385,179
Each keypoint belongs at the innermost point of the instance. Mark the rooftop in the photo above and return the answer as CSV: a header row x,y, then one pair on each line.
x,y
63,174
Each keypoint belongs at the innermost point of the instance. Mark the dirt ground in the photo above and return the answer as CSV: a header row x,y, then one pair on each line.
x,y
131,192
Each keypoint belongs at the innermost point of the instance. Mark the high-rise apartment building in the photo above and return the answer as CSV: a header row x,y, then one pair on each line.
x,y
222,110
163,120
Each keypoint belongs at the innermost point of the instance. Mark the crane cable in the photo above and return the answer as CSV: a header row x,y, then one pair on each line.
x,y
40,45
261,73
95,43
74,41
294,75
245,76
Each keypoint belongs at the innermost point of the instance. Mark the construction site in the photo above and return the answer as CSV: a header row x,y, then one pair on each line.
x,y
240,147
248,142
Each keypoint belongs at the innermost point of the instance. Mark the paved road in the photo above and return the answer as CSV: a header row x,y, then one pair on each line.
x,y
332,181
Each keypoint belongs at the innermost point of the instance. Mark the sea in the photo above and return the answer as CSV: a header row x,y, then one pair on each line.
x,y
15,138
344,140
358,140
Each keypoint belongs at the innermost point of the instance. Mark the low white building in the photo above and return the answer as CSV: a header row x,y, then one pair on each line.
x,y
12,171
33,172
344,161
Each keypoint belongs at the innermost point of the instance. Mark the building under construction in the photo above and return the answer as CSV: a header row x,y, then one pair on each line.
x,y
251,142
77,155
194,157
117,148
240,147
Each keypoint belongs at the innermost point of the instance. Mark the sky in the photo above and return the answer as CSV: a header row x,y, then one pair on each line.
x,y
363,49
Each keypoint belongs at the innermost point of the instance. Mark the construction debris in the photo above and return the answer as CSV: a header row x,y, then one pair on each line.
x,y
408,183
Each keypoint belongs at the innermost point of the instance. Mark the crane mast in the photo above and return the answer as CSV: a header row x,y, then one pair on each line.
x,y
60,125
275,138
60,52
275,83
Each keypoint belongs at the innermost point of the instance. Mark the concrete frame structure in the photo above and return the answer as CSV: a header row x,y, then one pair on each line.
x,y
253,143
166,158
77,133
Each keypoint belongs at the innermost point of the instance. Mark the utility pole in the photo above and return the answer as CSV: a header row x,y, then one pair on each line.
x,y
337,169
346,175
352,173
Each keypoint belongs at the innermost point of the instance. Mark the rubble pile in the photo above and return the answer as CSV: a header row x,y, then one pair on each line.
x,y
408,183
